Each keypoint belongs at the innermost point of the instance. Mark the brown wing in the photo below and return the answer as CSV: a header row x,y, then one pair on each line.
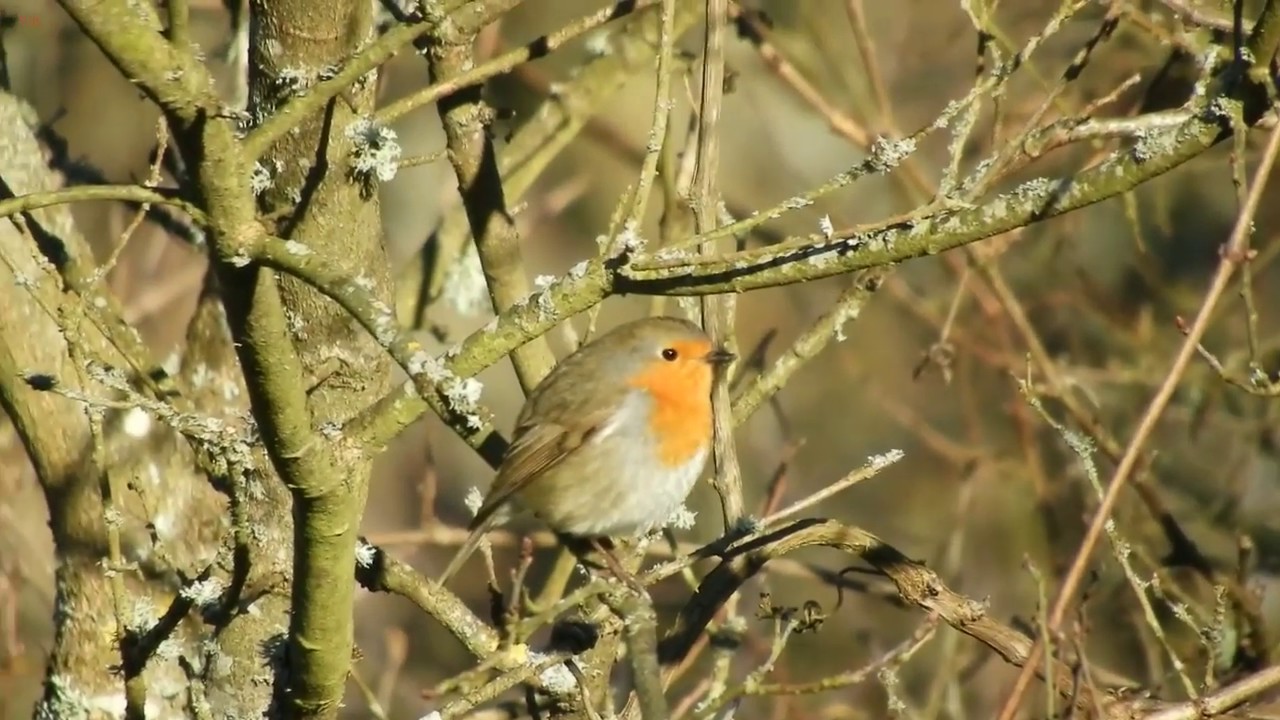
x,y
536,448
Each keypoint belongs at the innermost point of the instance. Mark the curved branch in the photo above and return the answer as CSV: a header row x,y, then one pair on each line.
x,y
129,34
92,193
376,571
917,585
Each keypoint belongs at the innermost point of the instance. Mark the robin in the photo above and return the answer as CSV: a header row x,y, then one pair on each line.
x,y
611,442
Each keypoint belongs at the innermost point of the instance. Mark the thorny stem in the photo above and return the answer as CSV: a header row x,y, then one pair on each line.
x,y
828,327
1120,547
153,179
916,585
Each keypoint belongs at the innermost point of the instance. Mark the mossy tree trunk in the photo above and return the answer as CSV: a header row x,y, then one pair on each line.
x,y
230,575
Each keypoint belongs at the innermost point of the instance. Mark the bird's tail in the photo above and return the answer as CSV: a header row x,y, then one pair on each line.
x,y
468,547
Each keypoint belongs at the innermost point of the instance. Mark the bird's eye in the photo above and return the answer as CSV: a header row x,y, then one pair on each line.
x,y
669,354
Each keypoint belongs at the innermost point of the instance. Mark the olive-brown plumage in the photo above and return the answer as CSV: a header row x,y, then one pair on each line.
x,y
612,440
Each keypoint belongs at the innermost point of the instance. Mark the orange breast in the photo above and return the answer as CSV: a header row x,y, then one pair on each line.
x,y
681,392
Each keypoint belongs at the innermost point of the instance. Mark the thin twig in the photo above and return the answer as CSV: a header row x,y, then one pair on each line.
x,y
1230,261
717,313
662,105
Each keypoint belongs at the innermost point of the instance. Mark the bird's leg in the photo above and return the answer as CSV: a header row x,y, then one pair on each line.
x,y
615,566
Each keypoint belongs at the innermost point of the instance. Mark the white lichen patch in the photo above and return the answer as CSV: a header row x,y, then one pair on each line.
x,y
204,592
375,149
462,394
112,517
365,554
385,328
887,154
259,178
293,80
599,44
465,289
141,617
556,679
629,239
682,519
474,500
826,227
846,313
63,700
885,459
136,423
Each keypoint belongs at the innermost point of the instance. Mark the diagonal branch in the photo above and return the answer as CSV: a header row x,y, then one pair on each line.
x,y
917,585
1232,258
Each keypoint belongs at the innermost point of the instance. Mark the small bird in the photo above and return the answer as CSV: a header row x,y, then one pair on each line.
x,y
611,442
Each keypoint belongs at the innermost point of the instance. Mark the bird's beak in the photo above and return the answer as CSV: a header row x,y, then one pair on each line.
x,y
719,357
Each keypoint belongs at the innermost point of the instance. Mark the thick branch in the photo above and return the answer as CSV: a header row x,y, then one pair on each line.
x,y
129,34
473,154
312,366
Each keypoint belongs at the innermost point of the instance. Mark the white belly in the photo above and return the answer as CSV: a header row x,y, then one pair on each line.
x,y
626,496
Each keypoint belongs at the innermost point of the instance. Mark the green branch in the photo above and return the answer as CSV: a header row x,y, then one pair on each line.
x,y
471,152
433,380
96,193
129,34
551,127
811,258
1265,36
804,259
293,113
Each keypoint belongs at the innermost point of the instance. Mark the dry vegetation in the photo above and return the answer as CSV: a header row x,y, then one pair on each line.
x,y
1004,440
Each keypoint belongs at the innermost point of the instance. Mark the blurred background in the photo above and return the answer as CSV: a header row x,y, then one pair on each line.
x,y
987,494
